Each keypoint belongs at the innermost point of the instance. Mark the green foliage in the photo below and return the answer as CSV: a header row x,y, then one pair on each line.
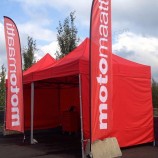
x,y
155,93
2,86
67,36
28,53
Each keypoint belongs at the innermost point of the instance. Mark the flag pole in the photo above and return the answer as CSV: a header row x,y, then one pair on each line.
x,y
90,107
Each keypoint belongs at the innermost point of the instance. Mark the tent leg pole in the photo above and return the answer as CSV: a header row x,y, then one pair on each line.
x,y
154,143
32,110
81,116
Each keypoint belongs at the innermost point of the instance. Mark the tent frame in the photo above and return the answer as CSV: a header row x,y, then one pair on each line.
x,y
81,116
32,113
32,140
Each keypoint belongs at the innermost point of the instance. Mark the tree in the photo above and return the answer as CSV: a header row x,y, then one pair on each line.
x,y
28,53
2,86
155,93
67,36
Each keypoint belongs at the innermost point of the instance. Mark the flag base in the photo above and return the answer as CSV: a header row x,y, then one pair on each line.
x,y
108,148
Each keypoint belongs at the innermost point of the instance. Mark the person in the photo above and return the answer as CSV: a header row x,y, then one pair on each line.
x,y
72,108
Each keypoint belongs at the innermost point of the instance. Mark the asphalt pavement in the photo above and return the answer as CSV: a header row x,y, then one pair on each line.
x,y
60,146
55,145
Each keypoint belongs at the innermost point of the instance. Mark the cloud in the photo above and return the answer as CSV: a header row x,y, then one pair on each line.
x,y
48,13
37,32
138,48
44,16
3,57
51,48
38,9
138,16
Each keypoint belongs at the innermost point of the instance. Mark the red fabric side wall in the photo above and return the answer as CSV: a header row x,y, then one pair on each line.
x,y
69,97
46,109
70,118
132,111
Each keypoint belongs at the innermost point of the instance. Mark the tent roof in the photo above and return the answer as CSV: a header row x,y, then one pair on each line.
x,y
129,68
77,62
43,63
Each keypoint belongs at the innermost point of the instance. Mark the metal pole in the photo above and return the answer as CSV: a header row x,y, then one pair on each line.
x,y
154,143
81,118
32,110
5,108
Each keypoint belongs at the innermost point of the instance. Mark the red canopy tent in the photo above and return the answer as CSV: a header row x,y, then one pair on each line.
x,y
66,83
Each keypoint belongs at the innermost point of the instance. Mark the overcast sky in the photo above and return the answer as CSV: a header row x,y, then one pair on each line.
x,y
134,26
